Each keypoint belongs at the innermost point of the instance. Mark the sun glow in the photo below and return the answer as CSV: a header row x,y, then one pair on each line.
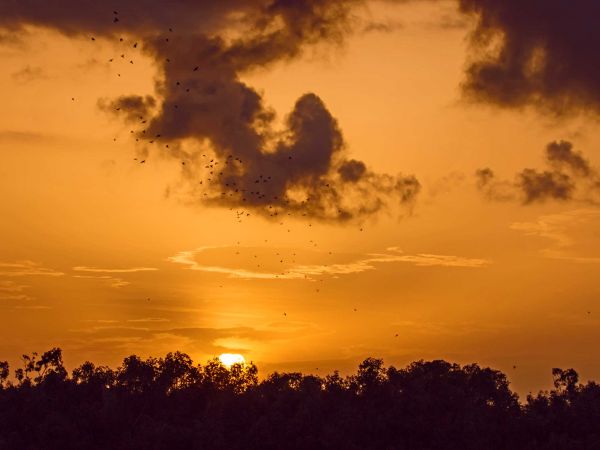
x,y
229,359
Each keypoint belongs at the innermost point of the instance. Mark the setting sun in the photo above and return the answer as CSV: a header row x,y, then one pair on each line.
x,y
229,359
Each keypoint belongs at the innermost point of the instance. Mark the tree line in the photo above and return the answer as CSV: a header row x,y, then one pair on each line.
x,y
171,403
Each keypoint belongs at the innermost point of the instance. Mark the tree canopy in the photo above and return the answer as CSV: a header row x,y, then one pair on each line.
x,y
171,403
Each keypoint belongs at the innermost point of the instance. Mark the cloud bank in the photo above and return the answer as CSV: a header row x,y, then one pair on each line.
x,y
217,126
536,52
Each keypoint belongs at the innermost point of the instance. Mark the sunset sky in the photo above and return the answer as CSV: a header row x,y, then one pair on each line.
x,y
399,179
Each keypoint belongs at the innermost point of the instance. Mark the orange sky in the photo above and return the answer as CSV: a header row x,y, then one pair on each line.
x,y
105,257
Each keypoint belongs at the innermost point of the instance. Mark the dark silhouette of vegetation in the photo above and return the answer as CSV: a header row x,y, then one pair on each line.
x,y
170,403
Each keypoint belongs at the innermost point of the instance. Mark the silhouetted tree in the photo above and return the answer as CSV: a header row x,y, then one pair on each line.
x,y
170,403
4,373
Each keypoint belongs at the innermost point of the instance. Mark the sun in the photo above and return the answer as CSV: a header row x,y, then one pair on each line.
x,y
229,359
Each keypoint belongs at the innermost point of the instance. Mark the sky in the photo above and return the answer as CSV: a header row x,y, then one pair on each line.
x,y
304,183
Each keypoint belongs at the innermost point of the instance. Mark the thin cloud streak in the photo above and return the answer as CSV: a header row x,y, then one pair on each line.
x,y
125,270
112,281
26,268
306,271
558,228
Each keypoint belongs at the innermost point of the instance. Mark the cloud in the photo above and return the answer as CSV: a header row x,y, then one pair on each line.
x,y
561,155
294,271
206,339
10,39
149,320
28,74
388,26
24,136
215,125
108,278
211,334
11,286
539,52
569,177
569,234
133,108
18,297
124,270
26,268
446,183
10,290
111,281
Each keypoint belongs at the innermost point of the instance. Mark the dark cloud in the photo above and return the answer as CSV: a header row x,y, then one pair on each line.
x,y
137,17
535,52
134,108
561,155
492,188
540,186
484,177
352,170
570,177
382,27
240,158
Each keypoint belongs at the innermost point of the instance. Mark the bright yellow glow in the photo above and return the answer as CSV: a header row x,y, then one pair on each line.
x,y
229,359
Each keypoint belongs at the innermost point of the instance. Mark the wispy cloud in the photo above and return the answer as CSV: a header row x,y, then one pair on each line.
x,y
124,270
11,286
206,339
308,271
33,307
107,274
566,231
149,320
26,268
10,290
111,281
28,74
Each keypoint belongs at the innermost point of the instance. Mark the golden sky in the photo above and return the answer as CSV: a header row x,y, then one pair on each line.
x,y
104,256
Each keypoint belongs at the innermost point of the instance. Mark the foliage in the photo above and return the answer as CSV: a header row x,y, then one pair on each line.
x,y
170,403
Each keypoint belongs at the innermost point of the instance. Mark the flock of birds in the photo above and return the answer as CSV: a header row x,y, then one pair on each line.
x,y
213,172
